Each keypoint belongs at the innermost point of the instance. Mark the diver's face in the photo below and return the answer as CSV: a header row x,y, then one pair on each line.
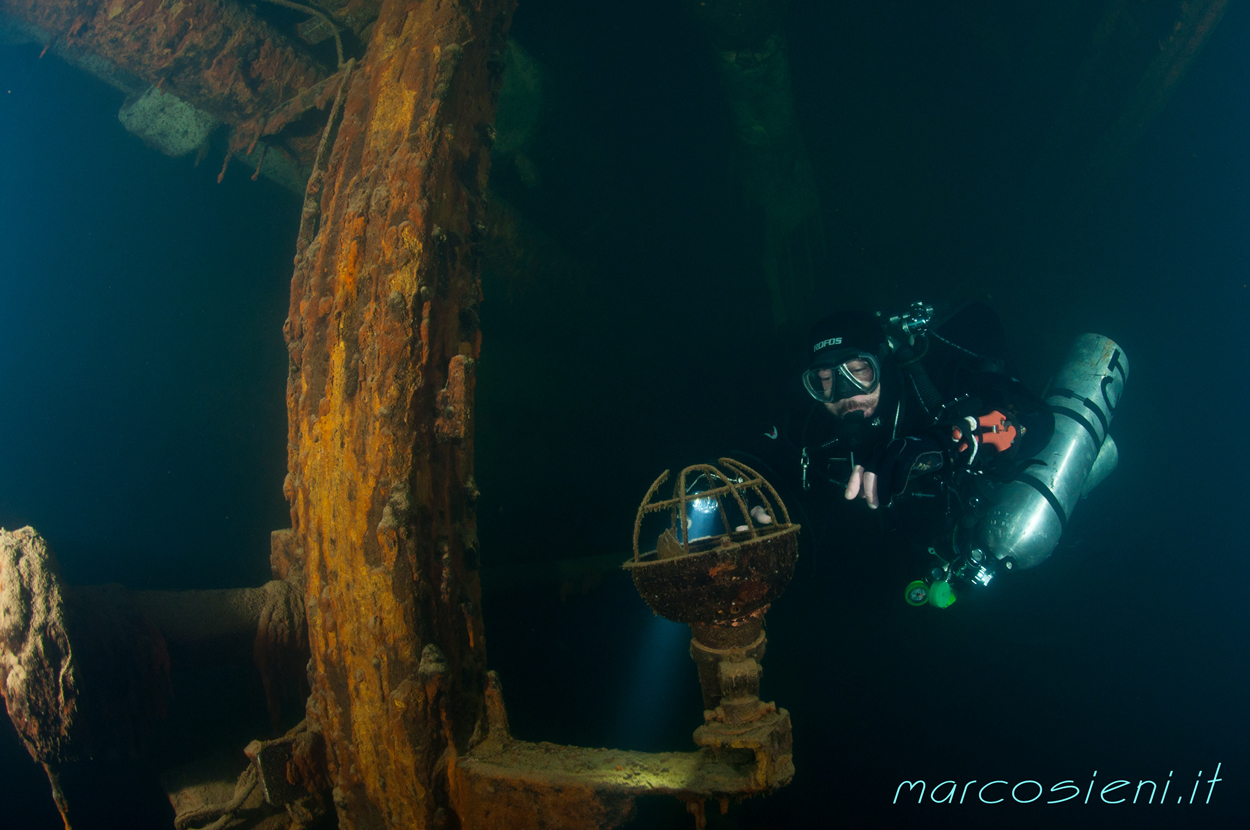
x,y
867,404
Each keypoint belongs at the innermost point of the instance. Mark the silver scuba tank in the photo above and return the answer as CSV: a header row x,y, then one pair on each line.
x,y
1030,512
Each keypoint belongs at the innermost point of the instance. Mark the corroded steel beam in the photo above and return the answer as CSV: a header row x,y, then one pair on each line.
x,y
383,335
218,56
749,47
1130,70
1195,22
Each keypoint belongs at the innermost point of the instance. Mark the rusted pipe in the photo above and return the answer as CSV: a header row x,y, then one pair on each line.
x,y
86,669
188,616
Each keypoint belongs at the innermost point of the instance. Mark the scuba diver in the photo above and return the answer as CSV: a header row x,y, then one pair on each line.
x,y
924,423
901,401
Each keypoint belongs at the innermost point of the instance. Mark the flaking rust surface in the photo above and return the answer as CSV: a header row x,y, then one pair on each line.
x,y
382,335
218,55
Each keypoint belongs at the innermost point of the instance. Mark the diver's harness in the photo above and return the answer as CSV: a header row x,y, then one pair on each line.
x,y
965,490
902,333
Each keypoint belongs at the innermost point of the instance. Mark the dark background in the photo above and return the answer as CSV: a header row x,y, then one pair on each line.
x,y
143,371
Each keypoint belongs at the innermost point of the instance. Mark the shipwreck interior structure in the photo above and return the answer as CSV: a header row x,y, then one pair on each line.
x,y
540,253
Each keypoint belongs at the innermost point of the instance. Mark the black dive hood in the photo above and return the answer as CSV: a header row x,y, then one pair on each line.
x,y
845,332
837,339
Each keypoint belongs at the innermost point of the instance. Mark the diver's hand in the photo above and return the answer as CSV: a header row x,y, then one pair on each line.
x,y
862,483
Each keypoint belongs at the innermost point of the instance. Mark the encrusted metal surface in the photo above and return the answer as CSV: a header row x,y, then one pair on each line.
x,y
722,577
220,56
504,784
736,576
383,336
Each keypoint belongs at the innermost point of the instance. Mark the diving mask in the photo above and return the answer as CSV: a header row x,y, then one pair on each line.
x,y
855,373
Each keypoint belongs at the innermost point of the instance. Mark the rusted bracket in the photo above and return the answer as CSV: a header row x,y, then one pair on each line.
x,y
292,767
502,782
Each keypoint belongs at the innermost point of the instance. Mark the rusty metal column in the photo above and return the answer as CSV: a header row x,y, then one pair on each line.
x,y
383,335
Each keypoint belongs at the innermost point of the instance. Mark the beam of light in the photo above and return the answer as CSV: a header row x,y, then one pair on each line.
x,y
662,664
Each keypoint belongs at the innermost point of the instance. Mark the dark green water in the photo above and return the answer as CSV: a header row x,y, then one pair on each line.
x,y
143,370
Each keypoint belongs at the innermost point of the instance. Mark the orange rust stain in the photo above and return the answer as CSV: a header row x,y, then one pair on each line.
x,y
210,46
367,455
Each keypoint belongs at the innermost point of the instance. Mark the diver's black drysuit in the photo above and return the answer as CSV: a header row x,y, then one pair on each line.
x,y
958,369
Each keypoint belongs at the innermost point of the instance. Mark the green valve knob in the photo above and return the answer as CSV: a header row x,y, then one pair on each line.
x,y
941,595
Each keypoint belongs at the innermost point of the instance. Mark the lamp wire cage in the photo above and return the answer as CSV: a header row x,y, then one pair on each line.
x,y
732,478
